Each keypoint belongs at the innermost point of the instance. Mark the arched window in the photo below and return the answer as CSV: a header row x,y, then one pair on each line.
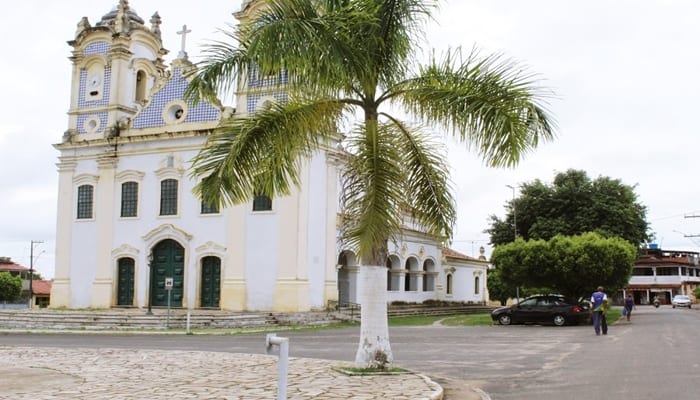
x,y
449,284
393,278
141,80
412,275
476,285
388,274
428,276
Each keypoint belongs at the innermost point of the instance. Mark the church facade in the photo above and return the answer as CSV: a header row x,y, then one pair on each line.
x,y
131,233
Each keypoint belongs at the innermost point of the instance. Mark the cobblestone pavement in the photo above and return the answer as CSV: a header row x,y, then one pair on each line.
x,y
58,373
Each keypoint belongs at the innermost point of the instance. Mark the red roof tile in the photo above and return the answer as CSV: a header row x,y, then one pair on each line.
x,y
12,267
457,255
41,287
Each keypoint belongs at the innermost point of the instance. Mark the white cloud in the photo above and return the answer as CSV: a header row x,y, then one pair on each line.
x,y
625,75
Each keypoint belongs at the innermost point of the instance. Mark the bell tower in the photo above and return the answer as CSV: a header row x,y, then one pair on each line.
x,y
117,63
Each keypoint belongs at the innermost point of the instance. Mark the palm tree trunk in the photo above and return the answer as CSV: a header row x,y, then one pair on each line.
x,y
374,350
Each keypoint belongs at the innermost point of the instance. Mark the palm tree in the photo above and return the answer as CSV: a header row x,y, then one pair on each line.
x,y
338,57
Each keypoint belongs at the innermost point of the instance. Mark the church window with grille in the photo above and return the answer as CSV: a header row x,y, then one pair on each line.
x,y
85,196
130,199
168,197
262,203
209,208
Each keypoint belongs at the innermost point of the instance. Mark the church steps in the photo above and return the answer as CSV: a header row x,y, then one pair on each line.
x,y
138,320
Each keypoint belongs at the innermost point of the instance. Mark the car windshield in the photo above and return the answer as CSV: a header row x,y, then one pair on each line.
x,y
682,297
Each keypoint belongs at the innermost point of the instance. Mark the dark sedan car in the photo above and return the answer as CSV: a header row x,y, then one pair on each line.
x,y
547,309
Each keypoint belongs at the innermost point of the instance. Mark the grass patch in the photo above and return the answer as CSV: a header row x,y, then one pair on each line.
x,y
414,320
450,320
614,314
468,320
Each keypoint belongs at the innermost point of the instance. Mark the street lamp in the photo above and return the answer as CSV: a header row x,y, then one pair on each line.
x,y
150,282
515,214
31,271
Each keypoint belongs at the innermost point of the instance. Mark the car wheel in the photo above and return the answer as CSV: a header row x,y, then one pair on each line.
x,y
559,320
673,306
504,319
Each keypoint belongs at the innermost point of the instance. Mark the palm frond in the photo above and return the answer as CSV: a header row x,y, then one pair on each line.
x,y
488,103
261,154
398,35
224,65
310,40
371,199
427,187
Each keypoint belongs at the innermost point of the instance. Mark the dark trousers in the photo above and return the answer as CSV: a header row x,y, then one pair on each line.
x,y
600,322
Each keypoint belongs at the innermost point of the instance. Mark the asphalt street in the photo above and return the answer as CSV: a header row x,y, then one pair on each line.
x,y
651,357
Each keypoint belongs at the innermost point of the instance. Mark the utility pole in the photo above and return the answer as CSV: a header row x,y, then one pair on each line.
x,y
31,271
515,235
515,214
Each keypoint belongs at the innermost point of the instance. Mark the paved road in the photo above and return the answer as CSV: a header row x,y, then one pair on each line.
x,y
653,357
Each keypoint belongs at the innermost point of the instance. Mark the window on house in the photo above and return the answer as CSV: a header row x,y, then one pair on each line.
x,y
449,283
476,285
85,196
168,197
262,203
130,193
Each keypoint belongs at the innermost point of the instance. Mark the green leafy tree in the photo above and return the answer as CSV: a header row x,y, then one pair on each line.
x,y
573,204
10,287
570,265
345,58
498,290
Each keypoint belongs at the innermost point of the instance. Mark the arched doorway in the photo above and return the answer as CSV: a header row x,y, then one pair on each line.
x,y
343,279
168,262
125,282
348,271
210,289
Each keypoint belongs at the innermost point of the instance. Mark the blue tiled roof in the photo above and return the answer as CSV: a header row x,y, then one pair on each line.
x,y
97,48
152,115
82,103
82,117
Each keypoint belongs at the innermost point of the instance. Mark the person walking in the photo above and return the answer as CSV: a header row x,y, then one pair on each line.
x,y
599,303
629,305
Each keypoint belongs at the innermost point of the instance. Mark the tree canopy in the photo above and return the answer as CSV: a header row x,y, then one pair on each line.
x,y
572,205
569,265
337,60
10,287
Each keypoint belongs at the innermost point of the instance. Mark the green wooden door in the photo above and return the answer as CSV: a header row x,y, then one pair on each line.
x,y
211,282
125,282
168,262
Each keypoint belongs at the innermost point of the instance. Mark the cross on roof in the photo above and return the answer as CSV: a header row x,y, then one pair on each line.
x,y
183,32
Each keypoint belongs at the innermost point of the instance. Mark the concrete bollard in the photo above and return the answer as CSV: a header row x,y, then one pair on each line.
x,y
282,366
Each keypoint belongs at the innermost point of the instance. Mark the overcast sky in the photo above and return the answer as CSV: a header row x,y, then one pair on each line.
x,y
625,75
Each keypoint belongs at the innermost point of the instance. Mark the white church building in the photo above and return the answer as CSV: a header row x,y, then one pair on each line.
x,y
130,232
